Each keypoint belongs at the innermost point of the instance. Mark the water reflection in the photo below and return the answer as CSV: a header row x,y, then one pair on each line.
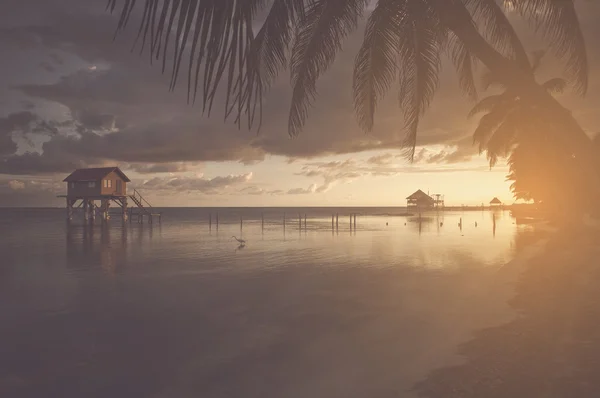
x,y
102,245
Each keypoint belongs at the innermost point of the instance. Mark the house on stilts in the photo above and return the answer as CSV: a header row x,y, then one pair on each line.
x,y
106,185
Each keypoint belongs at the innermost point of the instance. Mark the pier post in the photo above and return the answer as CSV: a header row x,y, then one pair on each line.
x,y
262,221
350,221
92,208
209,221
305,222
70,209
299,222
284,221
241,223
332,228
336,220
85,209
217,215
124,204
354,221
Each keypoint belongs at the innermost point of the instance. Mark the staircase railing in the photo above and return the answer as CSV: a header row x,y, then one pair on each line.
x,y
139,199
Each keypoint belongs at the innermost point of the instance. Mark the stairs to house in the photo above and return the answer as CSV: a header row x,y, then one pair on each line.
x,y
143,208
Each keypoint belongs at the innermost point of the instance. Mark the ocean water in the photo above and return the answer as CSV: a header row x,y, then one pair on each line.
x,y
178,309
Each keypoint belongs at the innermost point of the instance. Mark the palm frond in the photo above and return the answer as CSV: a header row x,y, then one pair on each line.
x,y
491,103
216,35
498,29
319,37
555,86
502,139
375,65
488,125
421,39
557,21
464,63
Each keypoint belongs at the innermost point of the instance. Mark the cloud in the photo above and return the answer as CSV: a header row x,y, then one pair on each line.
x,y
128,98
213,186
13,123
303,191
16,185
149,168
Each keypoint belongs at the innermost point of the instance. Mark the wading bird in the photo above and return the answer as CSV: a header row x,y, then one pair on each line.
x,y
240,241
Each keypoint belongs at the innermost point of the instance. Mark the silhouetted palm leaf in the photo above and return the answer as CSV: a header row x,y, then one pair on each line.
x,y
488,104
555,86
557,20
376,63
318,39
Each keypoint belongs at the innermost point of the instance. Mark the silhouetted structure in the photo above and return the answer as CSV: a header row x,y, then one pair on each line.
x,y
495,202
104,184
420,201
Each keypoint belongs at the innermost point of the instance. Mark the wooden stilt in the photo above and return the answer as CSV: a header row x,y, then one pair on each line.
x,y
354,220
241,223
124,208
262,221
332,227
70,203
299,222
305,221
217,220
209,221
336,220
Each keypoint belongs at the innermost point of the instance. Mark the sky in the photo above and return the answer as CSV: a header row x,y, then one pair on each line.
x,y
72,97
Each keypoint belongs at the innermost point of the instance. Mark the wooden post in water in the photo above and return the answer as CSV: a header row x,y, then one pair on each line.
x,y
332,228
305,222
262,221
209,221
69,209
336,220
299,222
241,223
350,221
217,216
284,220
355,221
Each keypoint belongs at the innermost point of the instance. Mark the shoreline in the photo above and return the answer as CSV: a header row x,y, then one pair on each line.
x,y
551,347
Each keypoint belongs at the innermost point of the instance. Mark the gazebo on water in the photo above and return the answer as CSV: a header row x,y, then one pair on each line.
x,y
495,202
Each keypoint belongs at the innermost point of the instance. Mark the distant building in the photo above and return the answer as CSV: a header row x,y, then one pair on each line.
x,y
420,200
495,202
97,182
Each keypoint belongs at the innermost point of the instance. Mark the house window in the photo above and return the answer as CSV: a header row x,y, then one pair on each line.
x,y
92,184
107,183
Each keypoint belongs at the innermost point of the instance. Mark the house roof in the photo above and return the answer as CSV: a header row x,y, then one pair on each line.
x,y
419,195
94,174
495,201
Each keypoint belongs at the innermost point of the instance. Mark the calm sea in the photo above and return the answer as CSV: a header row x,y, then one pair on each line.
x,y
178,309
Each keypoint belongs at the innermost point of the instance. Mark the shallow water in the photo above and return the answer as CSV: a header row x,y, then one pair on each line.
x,y
180,310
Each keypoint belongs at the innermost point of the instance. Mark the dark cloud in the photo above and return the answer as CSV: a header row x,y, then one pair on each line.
x,y
123,112
15,122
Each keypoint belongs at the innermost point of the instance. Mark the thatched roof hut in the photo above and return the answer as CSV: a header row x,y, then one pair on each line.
x,y
495,202
420,199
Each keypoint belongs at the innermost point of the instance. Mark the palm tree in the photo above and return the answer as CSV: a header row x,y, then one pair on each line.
x,y
508,117
403,45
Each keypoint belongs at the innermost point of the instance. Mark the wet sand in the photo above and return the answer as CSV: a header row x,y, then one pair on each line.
x,y
552,349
